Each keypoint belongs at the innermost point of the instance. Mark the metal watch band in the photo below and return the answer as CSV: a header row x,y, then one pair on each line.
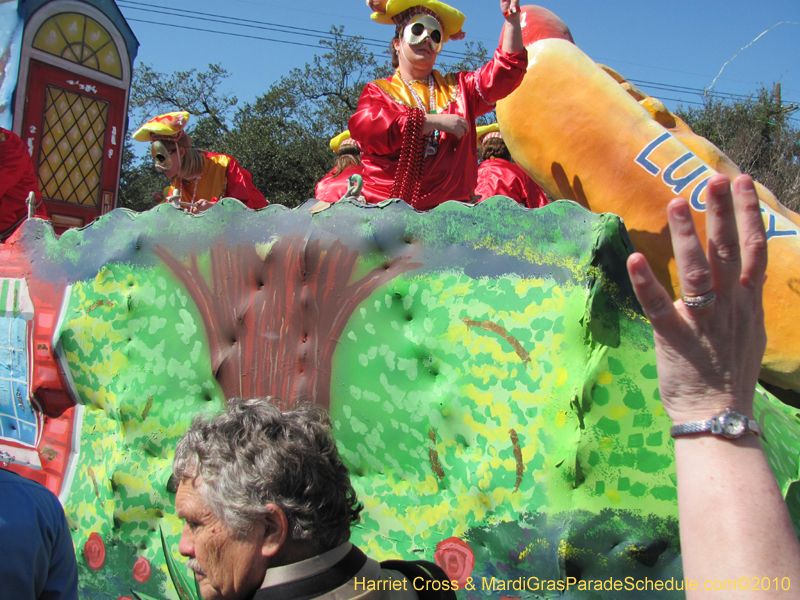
x,y
687,428
752,425
715,426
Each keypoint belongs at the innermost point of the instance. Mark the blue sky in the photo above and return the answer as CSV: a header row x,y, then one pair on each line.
x,y
681,43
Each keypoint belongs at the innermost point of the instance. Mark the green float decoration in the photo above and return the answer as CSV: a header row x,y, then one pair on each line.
x,y
489,373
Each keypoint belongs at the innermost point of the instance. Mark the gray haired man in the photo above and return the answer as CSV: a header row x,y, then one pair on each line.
x,y
267,506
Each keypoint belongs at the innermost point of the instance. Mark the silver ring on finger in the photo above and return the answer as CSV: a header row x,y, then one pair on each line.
x,y
701,301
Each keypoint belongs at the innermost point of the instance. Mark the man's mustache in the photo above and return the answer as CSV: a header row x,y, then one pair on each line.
x,y
194,565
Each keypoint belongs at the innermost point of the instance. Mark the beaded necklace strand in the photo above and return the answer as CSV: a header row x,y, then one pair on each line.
x,y
408,178
194,191
433,137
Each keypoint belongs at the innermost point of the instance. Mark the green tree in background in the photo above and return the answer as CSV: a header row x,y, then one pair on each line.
x,y
758,135
198,93
285,158
137,180
324,93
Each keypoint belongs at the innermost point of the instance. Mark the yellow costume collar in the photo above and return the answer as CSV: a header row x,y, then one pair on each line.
x,y
445,90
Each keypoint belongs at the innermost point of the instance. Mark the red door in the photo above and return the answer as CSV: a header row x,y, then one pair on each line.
x,y
73,126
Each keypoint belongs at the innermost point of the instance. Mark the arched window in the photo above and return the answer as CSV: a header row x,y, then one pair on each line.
x,y
79,39
76,68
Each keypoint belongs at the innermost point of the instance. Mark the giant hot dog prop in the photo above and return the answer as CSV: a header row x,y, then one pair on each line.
x,y
585,134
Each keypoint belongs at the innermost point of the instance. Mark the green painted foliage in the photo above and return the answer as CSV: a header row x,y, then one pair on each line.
x,y
137,359
501,389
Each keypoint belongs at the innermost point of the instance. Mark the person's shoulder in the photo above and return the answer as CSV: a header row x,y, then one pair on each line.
x,y
10,140
448,78
10,477
10,481
496,164
380,84
218,158
216,155
353,169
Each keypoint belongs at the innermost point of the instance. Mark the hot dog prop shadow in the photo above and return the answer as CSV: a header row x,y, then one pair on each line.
x,y
586,134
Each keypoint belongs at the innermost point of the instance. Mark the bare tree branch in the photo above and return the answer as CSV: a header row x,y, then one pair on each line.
x,y
195,92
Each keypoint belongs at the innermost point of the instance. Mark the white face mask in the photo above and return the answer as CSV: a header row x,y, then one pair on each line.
x,y
421,27
162,159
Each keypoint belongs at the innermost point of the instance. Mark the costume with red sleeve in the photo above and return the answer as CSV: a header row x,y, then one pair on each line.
x,y
387,119
17,180
222,177
499,177
331,189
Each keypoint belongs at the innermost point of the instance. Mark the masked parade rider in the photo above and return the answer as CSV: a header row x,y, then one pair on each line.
x,y
499,175
198,178
417,127
333,186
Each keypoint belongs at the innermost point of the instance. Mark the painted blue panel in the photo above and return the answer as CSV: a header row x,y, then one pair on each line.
x,y
17,419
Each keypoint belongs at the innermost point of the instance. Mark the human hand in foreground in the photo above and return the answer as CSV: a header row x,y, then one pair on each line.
x,y
709,357
512,31
506,5
201,206
377,5
453,124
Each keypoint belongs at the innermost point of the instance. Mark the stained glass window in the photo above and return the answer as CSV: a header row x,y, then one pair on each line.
x,y
79,39
71,155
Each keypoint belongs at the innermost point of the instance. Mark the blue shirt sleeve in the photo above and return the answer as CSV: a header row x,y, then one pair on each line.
x,y
39,557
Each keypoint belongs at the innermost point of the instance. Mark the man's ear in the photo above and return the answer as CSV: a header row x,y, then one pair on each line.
x,y
276,530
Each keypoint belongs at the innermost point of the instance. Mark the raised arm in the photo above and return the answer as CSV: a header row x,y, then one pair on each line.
x,y
512,32
735,527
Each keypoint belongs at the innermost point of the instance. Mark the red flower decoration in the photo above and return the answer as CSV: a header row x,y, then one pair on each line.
x,y
456,558
124,598
95,551
142,570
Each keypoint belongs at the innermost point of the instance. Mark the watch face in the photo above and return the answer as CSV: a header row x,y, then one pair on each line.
x,y
733,425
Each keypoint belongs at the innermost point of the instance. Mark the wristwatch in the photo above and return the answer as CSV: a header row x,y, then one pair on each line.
x,y
729,424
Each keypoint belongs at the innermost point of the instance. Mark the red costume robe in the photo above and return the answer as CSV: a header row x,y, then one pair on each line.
x,y
17,180
331,189
222,177
499,177
383,122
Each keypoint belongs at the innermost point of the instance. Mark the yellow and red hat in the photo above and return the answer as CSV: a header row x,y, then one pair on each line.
x,y
397,12
487,132
343,139
167,126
